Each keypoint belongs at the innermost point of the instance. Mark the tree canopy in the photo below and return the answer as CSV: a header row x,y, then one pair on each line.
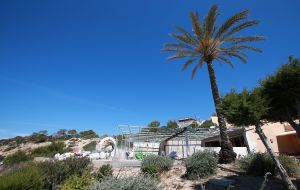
x,y
282,90
249,108
172,124
153,125
207,124
194,125
245,108
210,41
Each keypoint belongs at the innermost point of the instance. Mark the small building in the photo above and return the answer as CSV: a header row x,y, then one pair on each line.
x,y
185,141
282,136
185,122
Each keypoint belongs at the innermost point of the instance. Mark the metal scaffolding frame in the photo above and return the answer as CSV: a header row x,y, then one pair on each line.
x,y
140,134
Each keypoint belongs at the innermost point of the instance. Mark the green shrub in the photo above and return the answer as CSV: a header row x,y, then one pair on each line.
x,y
290,164
77,182
151,170
90,147
104,171
17,157
154,164
56,172
10,146
28,177
201,165
207,124
139,182
88,134
50,150
257,164
1,158
38,137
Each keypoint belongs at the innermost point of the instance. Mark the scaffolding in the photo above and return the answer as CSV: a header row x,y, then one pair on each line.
x,y
149,140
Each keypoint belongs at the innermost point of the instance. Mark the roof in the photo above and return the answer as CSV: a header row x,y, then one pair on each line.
x,y
287,133
232,132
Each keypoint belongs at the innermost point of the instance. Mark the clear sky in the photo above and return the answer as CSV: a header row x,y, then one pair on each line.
x,y
96,64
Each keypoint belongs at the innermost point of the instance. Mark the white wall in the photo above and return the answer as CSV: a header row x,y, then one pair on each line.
x,y
180,148
240,151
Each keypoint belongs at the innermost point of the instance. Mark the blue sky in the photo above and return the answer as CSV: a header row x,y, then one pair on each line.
x,y
96,64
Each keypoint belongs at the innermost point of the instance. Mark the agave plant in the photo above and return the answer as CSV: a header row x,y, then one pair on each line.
x,y
210,42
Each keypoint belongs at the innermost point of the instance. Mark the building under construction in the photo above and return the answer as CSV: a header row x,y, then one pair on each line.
x,y
183,141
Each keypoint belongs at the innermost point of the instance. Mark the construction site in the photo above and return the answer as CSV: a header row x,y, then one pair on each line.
x,y
178,142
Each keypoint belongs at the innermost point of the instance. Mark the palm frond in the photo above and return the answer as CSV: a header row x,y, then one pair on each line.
x,y
223,58
194,71
187,35
178,50
178,45
201,62
184,39
231,21
196,25
249,48
210,20
212,49
180,54
240,27
233,50
187,63
236,40
238,56
177,56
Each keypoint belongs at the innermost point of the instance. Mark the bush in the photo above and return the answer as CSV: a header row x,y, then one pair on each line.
x,y
50,150
154,164
88,134
90,147
139,182
290,164
257,164
56,172
1,158
207,124
38,137
10,147
201,165
77,182
17,157
103,172
25,178
151,170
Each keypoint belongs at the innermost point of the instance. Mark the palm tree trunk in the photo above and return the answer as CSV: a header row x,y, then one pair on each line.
x,y
226,154
280,168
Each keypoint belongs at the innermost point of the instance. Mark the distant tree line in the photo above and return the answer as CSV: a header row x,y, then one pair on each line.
x,y
43,136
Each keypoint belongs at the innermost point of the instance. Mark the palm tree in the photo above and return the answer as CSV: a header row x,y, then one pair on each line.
x,y
207,43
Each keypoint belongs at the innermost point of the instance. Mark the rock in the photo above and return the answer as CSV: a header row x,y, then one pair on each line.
x,y
56,156
94,156
41,159
222,182
109,148
102,155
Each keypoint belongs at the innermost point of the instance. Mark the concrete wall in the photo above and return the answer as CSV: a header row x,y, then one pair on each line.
x,y
195,146
180,148
240,151
146,147
271,130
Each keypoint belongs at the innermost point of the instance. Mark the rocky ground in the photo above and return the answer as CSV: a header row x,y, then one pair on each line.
x,y
27,147
23,147
226,174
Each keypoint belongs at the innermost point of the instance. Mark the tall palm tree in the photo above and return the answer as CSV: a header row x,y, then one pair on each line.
x,y
210,42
